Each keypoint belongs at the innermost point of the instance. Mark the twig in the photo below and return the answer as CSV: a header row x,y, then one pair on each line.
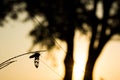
x,y
7,62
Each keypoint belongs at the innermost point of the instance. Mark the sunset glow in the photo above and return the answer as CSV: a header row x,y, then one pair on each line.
x,y
80,55
15,41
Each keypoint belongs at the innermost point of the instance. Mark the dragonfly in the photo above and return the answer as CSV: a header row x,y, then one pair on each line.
x,y
36,56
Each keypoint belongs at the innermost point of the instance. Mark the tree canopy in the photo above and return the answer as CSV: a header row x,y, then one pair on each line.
x,y
62,17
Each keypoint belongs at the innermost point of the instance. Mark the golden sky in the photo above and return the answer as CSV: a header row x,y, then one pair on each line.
x,y
14,40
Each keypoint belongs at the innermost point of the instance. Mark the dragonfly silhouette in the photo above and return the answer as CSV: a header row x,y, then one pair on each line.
x,y
36,56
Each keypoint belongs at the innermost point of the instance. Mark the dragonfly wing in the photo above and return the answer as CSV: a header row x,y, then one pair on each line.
x,y
36,62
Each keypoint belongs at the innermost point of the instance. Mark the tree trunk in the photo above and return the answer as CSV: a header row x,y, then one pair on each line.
x,y
69,57
89,67
92,57
68,66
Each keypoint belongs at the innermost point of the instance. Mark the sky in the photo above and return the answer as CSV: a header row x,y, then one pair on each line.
x,y
14,40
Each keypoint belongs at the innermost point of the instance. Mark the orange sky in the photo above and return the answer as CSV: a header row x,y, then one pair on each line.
x,y
14,40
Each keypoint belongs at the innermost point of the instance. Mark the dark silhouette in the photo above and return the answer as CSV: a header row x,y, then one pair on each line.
x,y
6,64
104,34
63,17
36,59
35,54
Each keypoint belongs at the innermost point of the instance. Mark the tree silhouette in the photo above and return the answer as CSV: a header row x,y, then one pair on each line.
x,y
62,17
102,31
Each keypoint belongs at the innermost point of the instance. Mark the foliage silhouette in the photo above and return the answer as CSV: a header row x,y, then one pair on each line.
x,y
104,34
62,17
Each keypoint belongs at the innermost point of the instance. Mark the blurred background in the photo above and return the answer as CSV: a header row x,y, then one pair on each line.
x,y
20,32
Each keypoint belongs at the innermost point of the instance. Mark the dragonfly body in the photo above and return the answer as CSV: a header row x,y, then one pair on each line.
x,y
36,59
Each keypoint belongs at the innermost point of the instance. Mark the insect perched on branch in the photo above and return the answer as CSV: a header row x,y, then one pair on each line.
x,y
36,56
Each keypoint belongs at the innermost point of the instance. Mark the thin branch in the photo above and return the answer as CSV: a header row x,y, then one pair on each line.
x,y
7,62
